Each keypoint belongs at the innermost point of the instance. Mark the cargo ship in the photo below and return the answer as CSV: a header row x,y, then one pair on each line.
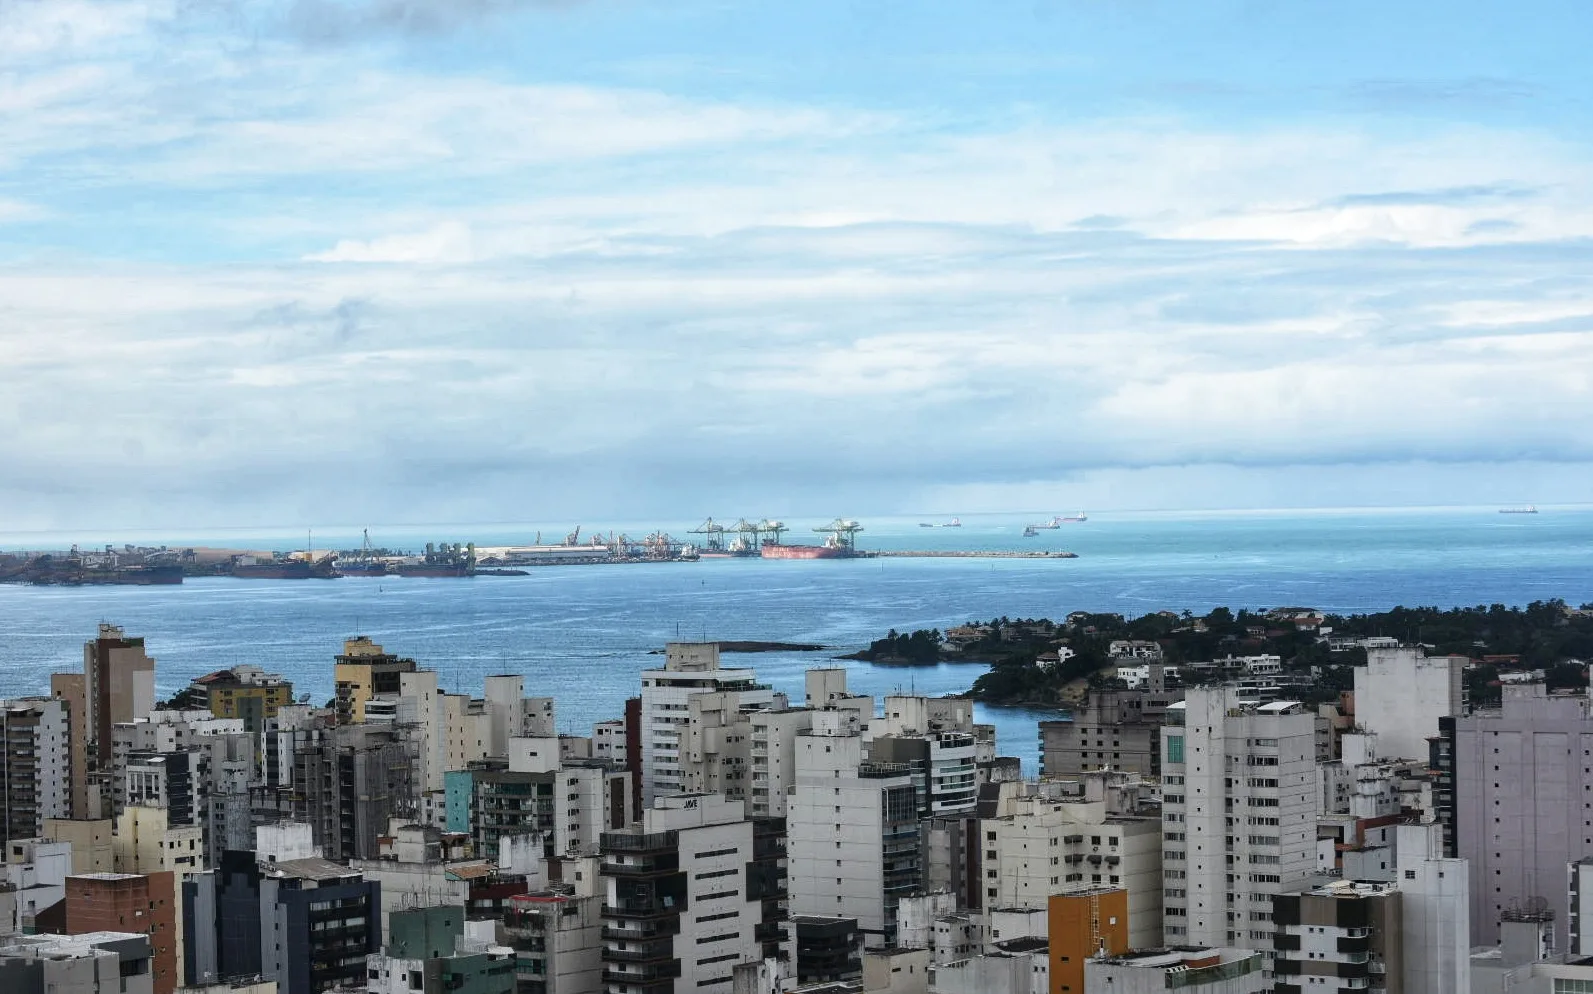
x,y
771,550
275,568
362,567
442,560
1529,509
70,573
840,543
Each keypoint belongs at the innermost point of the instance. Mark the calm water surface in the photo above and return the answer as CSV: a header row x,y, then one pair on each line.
x,y
582,634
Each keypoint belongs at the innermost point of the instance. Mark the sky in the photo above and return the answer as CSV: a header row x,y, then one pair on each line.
x,y
360,261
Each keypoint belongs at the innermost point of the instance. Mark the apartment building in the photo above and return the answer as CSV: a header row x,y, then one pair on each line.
x,y
677,912
1188,971
363,671
689,668
1115,729
434,950
130,902
349,781
1338,937
305,922
557,939
1039,845
100,962
1238,815
36,736
245,692
1516,785
1086,923
1401,694
854,840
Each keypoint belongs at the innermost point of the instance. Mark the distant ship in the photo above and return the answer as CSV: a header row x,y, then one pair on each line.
x,y
1047,525
925,524
251,568
1029,531
953,523
772,550
1529,509
440,560
1074,518
74,572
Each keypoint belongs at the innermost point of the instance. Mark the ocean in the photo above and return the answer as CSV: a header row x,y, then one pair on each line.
x,y
582,634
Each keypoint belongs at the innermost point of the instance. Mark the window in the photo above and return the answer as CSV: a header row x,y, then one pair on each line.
x,y
1175,748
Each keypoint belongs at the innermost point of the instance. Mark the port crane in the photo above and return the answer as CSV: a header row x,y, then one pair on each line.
x,y
746,537
715,532
772,529
573,538
842,531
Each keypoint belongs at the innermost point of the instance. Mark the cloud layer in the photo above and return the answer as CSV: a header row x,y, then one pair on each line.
x,y
249,277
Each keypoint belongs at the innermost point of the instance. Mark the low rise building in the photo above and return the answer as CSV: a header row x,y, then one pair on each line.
x,y
100,962
433,950
557,938
1190,970
130,902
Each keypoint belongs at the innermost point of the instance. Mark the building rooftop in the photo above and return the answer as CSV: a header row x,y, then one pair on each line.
x,y
52,946
1024,944
312,868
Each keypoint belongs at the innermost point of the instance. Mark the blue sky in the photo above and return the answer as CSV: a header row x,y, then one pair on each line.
x,y
414,260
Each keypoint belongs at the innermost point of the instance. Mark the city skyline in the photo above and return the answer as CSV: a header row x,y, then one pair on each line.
x,y
408,260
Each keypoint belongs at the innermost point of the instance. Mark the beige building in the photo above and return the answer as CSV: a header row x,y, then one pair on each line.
x,y
1041,844
90,840
71,689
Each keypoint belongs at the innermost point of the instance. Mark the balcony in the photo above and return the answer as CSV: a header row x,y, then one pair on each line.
x,y
641,933
657,867
655,952
644,975
634,842
642,910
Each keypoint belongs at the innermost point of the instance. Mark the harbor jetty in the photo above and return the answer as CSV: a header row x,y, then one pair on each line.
x,y
968,554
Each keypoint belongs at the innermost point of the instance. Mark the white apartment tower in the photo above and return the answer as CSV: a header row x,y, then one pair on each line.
x,y
1400,694
853,842
677,915
1435,912
689,668
1238,815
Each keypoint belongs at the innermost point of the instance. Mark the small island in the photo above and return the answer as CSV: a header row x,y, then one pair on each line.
x,y
1037,662
755,646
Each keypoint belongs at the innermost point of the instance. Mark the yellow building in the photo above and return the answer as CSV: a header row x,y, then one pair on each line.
x,y
362,672
245,692
1081,925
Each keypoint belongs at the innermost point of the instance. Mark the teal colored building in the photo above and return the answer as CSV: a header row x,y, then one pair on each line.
x,y
459,787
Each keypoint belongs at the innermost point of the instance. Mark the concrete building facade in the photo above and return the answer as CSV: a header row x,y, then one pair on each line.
x,y
1401,694
1521,804
677,911
1038,846
128,902
689,668
1238,815
36,737
854,839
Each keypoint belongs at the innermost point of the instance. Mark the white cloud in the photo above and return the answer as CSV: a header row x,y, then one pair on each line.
x,y
334,262
447,242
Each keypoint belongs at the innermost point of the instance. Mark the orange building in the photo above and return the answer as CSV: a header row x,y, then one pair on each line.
x,y
1080,925
129,902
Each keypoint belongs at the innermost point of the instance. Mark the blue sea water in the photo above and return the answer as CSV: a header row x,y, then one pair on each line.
x,y
583,633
